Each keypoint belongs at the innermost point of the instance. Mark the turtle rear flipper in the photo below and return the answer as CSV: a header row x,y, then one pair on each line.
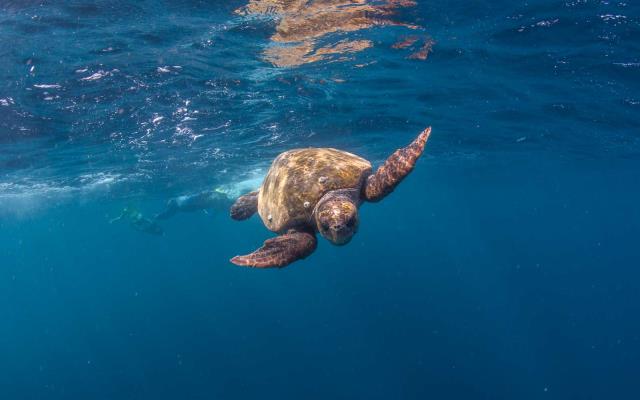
x,y
394,169
245,206
280,251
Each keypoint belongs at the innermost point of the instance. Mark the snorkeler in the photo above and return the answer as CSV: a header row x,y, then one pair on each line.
x,y
139,222
213,199
219,199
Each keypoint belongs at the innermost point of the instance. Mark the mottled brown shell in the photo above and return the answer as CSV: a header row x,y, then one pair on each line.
x,y
297,179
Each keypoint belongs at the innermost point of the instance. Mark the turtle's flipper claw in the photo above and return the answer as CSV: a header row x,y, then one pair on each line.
x,y
279,251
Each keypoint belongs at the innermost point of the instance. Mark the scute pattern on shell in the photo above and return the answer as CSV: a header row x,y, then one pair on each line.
x,y
303,176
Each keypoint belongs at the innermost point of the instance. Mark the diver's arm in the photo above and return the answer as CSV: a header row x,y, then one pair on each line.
x,y
169,211
116,219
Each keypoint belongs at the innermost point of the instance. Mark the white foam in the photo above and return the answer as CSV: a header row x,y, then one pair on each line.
x,y
19,199
99,75
547,23
100,180
612,17
237,189
93,77
47,86
627,64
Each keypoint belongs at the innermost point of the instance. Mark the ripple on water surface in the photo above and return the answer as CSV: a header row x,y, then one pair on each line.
x,y
180,96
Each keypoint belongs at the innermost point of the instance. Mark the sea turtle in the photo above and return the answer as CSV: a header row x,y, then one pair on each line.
x,y
318,190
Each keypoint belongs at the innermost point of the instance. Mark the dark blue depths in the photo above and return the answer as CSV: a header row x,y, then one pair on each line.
x,y
504,267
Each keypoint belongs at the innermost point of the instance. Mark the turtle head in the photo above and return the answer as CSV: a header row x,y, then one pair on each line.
x,y
337,218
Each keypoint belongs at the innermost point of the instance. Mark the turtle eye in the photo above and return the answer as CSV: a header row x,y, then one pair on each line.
x,y
351,222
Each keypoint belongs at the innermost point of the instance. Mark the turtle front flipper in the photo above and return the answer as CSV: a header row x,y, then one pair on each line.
x,y
395,169
245,206
280,251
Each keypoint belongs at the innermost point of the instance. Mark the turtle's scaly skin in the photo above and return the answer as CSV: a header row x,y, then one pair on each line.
x,y
280,251
297,179
245,206
395,169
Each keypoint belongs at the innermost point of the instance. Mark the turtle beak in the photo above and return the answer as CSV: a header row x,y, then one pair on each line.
x,y
339,234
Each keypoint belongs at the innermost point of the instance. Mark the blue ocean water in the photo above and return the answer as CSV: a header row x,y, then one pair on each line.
x,y
505,266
